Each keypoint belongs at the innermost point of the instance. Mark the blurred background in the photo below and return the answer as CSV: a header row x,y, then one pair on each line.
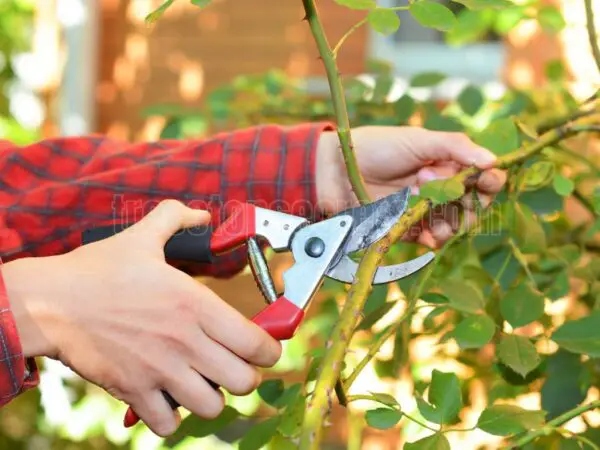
x,y
72,67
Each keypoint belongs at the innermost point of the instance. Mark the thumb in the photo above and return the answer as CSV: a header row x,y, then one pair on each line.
x,y
168,218
458,147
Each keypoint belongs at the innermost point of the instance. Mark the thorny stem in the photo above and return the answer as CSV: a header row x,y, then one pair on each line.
x,y
319,405
591,29
339,100
552,425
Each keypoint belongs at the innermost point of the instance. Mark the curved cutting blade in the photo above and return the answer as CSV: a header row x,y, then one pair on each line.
x,y
374,220
345,270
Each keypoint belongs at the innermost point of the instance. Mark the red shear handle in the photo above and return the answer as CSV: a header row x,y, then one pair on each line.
x,y
280,319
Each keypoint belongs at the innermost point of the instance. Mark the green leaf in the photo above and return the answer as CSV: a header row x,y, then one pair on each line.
x,y
271,390
439,122
484,4
522,305
291,420
500,137
504,420
404,108
385,399
372,318
194,426
259,434
427,79
463,296
564,388
539,174
384,21
596,200
435,298
357,4
525,228
555,70
551,19
432,15
581,335
471,100
201,3
563,186
158,12
376,298
383,418
543,201
434,442
470,27
518,353
442,191
445,398
474,331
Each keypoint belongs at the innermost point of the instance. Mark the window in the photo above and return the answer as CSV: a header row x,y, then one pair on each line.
x,y
414,48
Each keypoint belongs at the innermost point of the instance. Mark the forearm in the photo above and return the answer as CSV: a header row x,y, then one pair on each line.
x,y
83,186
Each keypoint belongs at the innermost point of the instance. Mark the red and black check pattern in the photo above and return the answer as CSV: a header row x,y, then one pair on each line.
x,y
53,190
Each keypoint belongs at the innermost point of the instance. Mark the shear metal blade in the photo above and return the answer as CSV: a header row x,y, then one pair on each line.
x,y
345,269
374,220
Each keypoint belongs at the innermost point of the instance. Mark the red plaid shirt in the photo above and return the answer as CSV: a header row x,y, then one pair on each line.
x,y
52,190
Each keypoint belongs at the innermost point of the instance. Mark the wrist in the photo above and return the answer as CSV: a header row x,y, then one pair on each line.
x,y
29,305
334,191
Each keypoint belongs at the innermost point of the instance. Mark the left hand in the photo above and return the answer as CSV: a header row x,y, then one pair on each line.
x,y
391,158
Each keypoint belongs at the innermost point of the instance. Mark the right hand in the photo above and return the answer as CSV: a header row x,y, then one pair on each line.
x,y
117,314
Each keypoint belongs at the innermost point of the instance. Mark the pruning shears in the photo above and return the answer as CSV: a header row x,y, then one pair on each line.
x,y
320,250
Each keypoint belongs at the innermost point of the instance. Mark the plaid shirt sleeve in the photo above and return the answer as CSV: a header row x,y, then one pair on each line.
x,y
53,190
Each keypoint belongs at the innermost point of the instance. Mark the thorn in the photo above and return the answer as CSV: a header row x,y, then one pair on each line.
x,y
304,18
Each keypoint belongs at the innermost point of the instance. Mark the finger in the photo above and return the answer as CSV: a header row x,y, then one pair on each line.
x,y
218,364
454,146
152,408
441,232
168,218
194,393
491,181
431,173
227,326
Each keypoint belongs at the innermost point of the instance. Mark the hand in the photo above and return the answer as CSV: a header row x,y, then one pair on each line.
x,y
391,158
120,316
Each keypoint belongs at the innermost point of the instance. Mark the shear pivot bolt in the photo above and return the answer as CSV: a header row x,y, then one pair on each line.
x,y
314,247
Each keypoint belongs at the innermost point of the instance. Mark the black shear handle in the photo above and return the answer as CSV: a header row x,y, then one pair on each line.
x,y
189,244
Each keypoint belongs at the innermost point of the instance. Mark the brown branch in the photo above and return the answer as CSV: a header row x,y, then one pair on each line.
x,y
591,29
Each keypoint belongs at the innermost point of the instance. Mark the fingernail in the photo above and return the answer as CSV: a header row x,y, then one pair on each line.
x,y
415,190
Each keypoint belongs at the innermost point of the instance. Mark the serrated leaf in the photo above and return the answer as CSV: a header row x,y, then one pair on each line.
x,y
471,100
505,420
259,434
434,442
500,137
357,4
427,79
439,122
435,298
442,191
463,296
271,390
518,353
581,335
551,19
522,305
562,185
444,397
474,331
525,228
384,21
484,4
470,27
383,418
432,15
